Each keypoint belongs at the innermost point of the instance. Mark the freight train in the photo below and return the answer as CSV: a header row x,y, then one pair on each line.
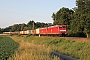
x,y
59,29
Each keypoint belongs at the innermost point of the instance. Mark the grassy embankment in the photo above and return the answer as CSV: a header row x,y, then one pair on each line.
x,y
72,48
31,51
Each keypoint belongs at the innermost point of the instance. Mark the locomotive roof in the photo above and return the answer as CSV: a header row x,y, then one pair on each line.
x,y
54,26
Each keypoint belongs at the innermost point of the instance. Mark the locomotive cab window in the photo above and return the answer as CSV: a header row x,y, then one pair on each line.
x,y
62,26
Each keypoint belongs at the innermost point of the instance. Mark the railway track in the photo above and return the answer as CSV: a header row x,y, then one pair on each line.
x,y
81,39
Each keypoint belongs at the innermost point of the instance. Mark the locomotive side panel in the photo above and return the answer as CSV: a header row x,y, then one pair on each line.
x,y
43,30
53,30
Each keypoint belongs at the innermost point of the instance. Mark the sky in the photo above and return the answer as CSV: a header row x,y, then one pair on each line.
x,y
22,11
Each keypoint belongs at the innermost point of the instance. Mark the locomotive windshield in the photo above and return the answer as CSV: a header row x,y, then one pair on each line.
x,y
62,26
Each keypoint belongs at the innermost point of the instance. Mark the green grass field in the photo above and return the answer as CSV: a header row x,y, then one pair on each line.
x,y
7,47
80,50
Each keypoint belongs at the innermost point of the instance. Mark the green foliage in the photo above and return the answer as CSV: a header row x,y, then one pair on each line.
x,y
81,21
63,16
76,34
16,27
7,47
22,27
1,30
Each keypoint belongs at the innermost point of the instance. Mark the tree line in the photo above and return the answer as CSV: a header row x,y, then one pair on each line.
x,y
22,27
77,19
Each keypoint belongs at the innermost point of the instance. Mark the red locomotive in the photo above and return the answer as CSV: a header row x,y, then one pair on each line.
x,y
59,29
54,30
